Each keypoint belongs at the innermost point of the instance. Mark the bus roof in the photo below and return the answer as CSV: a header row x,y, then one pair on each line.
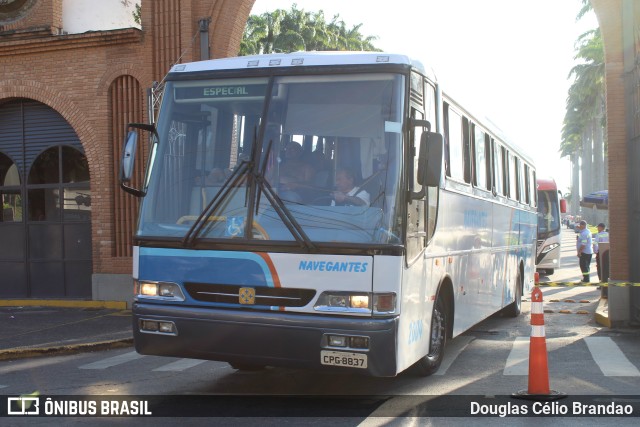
x,y
302,59
546,184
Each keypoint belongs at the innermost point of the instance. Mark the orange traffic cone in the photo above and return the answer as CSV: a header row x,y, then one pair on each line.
x,y
538,368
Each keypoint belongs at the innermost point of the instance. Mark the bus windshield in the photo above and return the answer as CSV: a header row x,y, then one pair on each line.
x,y
313,155
548,212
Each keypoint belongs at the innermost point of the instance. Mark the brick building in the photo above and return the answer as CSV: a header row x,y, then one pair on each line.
x,y
68,87
620,26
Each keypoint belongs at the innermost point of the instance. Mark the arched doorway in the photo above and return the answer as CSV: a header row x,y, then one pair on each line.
x,y
45,226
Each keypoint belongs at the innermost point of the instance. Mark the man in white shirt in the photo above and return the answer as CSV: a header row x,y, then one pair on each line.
x,y
584,245
347,193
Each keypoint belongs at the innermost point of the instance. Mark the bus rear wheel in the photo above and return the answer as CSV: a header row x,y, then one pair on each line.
x,y
430,363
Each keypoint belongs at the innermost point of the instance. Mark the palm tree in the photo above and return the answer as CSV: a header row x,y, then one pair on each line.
x,y
582,132
296,29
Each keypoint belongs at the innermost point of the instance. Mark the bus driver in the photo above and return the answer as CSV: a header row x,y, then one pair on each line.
x,y
347,193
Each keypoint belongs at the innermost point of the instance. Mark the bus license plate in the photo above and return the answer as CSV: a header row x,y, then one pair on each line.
x,y
341,358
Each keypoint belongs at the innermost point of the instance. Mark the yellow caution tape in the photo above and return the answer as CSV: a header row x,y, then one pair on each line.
x,y
605,284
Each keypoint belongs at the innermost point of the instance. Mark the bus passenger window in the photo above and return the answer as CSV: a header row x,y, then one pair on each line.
x,y
513,177
504,159
480,158
455,143
497,167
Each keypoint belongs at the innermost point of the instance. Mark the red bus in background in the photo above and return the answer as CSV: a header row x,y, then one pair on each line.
x,y
550,206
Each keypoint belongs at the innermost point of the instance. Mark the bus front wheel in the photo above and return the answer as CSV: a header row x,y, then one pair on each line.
x,y
430,363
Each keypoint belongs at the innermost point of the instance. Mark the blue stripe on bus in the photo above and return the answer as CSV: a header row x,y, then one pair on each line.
x,y
183,265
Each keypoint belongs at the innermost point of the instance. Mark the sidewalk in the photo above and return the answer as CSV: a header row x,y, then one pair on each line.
x,y
38,327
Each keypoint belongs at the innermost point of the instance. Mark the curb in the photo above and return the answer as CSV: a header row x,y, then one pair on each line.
x,y
602,313
25,352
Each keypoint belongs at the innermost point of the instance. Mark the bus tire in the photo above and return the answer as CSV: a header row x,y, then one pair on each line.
x,y
430,363
514,309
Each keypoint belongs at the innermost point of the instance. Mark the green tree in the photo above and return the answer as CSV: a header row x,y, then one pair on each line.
x,y
583,126
299,30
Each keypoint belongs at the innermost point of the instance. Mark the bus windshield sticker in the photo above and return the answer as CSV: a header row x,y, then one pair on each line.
x,y
234,225
393,127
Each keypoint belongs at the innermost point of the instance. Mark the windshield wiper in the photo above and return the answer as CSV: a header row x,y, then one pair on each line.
x,y
229,185
256,175
263,186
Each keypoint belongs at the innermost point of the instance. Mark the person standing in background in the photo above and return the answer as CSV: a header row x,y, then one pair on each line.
x,y
601,237
584,245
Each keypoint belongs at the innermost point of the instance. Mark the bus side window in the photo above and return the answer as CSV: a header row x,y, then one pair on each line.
x,y
513,177
525,183
479,158
504,158
430,104
455,144
466,147
533,190
497,167
488,160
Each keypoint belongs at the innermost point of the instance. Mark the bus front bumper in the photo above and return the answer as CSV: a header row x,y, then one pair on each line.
x,y
263,338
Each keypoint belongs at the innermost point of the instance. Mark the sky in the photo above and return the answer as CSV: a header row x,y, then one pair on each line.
x,y
505,59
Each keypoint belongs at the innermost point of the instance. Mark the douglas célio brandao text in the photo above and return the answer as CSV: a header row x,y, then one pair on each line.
x,y
551,408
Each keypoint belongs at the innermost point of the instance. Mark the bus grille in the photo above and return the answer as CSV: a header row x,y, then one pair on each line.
x,y
230,294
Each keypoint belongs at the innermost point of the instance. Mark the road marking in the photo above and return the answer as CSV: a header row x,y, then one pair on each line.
x,y
180,365
518,360
3,386
453,350
610,359
113,361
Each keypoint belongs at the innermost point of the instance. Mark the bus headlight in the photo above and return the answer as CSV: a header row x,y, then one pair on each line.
x,y
550,248
158,290
345,302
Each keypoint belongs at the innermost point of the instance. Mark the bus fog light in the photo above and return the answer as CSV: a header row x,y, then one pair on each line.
x,y
166,327
359,342
149,325
337,341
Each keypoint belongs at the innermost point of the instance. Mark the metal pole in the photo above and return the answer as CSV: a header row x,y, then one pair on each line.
x,y
204,38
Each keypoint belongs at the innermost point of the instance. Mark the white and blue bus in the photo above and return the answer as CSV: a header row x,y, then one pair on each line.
x,y
400,221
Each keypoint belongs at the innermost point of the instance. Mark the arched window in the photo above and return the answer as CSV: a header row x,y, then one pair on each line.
x,y
58,186
10,196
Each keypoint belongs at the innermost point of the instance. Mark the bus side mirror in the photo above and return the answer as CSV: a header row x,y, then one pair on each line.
x,y
430,162
128,161
129,156
563,206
